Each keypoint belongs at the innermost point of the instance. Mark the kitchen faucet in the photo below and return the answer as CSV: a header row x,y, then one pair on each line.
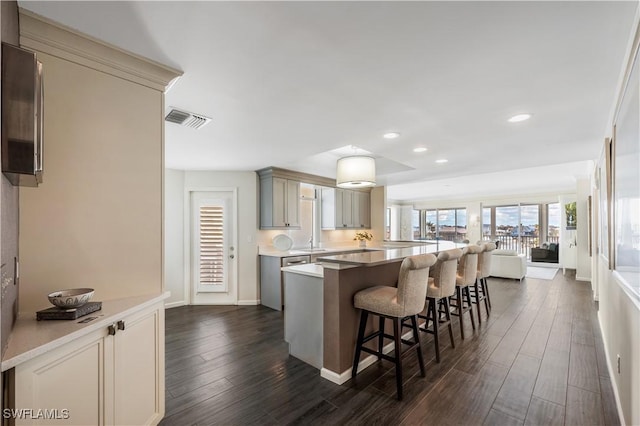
x,y
311,243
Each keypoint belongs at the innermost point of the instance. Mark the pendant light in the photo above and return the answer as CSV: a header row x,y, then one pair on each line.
x,y
357,171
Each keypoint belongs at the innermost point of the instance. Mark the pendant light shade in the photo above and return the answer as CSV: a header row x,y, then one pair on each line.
x,y
357,171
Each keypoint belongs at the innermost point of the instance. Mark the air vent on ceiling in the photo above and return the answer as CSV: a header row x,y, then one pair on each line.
x,y
185,118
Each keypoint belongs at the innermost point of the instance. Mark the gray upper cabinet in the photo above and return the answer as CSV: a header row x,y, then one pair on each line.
x,y
279,202
361,209
345,209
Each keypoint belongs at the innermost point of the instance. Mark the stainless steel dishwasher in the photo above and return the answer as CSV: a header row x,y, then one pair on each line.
x,y
297,260
271,284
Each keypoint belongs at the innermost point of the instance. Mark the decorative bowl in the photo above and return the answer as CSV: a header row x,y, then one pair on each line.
x,y
71,298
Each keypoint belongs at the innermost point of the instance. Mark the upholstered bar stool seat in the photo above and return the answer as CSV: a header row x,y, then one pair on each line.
x,y
396,304
442,285
382,300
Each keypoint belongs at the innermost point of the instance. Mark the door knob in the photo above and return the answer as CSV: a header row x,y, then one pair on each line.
x,y
111,330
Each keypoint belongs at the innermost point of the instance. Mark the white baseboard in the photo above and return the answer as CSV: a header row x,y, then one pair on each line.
x,y
583,279
175,304
239,303
612,376
345,376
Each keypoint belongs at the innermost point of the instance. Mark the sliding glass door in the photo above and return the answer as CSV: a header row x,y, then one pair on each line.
x,y
506,226
553,223
444,224
517,227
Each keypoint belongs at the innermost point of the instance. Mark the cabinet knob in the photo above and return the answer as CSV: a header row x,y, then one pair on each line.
x,y
120,325
112,330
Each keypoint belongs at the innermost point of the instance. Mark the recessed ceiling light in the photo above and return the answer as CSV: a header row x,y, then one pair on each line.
x,y
519,117
419,149
442,161
391,135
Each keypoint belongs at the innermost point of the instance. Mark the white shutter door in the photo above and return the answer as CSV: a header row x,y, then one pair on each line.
x,y
211,244
212,247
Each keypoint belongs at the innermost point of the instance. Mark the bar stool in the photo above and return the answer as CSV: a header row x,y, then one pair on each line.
x,y
484,270
466,276
476,291
407,300
442,285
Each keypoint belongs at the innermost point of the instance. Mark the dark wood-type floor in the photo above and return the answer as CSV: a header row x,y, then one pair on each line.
x,y
537,360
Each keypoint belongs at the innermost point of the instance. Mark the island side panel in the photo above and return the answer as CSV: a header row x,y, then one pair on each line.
x,y
341,318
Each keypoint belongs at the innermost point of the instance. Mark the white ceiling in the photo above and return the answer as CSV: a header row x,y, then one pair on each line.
x,y
286,82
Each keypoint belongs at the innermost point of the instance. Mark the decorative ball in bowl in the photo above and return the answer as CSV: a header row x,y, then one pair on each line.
x,y
71,298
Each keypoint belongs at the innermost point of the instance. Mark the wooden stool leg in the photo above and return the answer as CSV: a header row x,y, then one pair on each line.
x,y
477,290
447,314
397,335
459,301
381,337
485,286
487,306
436,332
416,338
363,325
473,321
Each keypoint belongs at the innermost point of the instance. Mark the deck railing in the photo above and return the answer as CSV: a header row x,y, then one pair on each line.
x,y
507,242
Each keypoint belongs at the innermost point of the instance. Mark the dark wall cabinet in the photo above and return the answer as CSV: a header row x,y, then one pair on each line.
x,y
22,116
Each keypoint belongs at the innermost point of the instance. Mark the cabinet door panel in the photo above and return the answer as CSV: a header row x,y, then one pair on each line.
x,y
279,202
139,370
329,208
364,210
355,209
347,208
68,378
293,203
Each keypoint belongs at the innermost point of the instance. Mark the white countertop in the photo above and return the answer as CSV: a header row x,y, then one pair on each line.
x,y
386,245
30,337
379,257
274,252
309,269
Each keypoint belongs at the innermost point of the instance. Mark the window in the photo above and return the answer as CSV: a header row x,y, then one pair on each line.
x,y
431,224
553,223
444,224
387,224
415,224
487,223
521,227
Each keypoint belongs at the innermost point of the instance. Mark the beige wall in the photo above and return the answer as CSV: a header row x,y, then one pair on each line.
x,y
619,319
96,221
619,309
174,236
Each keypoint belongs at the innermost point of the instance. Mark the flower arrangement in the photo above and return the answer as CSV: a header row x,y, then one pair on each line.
x,y
363,236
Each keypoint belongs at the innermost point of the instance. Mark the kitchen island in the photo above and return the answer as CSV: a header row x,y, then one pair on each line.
x,y
343,276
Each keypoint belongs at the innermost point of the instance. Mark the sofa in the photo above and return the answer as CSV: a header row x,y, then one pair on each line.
x,y
548,254
508,264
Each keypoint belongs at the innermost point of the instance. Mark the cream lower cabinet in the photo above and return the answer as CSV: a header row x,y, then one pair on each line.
x,y
100,378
